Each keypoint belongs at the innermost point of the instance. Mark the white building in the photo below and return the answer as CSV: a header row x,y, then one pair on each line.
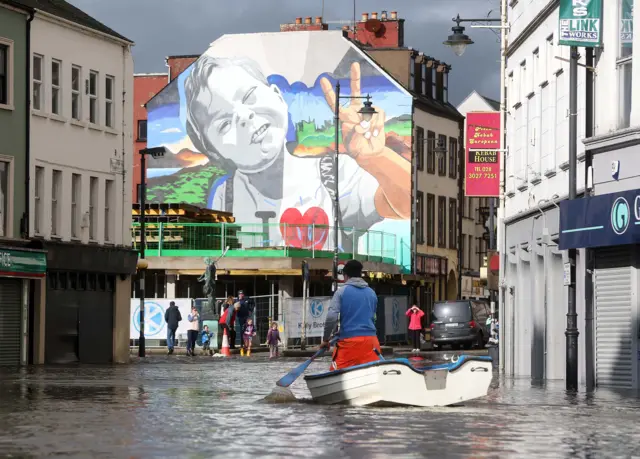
x,y
537,180
80,167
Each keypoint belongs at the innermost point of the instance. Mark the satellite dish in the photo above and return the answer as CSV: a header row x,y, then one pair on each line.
x,y
374,26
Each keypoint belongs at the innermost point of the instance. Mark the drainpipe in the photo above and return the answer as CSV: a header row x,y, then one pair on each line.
x,y
27,170
460,157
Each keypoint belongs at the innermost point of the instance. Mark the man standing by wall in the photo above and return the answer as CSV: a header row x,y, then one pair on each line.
x,y
172,317
353,307
244,312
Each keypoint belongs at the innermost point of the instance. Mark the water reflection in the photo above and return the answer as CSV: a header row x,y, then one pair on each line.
x,y
205,408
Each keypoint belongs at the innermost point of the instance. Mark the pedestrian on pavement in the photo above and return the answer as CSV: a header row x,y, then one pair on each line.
x,y
222,322
244,313
206,340
353,307
273,338
172,317
248,333
415,326
192,333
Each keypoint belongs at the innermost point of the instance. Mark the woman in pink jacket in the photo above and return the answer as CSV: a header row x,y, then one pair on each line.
x,y
415,326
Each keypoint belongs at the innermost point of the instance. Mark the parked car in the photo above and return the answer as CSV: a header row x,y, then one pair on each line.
x,y
460,323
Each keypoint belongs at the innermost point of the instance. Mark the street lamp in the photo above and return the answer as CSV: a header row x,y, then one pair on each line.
x,y
458,40
367,111
155,152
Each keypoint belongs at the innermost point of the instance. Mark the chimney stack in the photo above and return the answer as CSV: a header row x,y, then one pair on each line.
x,y
307,25
391,35
374,15
394,15
365,17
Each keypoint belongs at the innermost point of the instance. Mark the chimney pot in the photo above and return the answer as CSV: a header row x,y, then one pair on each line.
x,y
365,17
394,15
374,15
318,19
307,20
383,16
298,20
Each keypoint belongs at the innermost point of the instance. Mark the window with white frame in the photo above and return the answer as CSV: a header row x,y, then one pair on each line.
x,y
56,68
6,72
93,207
93,97
547,129
535,64
562,119
76,188
511,96
550,59
36,99
109,89
624,62
108,203
5,193
56,191
39,193
524,81
76,97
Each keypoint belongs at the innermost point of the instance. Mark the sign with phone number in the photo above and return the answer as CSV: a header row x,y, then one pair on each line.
x,y
482,165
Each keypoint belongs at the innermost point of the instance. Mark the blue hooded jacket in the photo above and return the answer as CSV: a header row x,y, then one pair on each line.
x,y
353,306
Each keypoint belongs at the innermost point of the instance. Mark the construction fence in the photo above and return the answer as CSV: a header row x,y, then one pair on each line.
x,y
391,320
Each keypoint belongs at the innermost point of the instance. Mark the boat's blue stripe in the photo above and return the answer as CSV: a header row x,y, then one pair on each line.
x,y
440,366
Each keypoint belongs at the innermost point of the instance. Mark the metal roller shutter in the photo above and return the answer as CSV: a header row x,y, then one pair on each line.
x,y
613,303
10,321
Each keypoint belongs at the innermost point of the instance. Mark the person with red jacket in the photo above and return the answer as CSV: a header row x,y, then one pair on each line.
x,y
227,322
415,325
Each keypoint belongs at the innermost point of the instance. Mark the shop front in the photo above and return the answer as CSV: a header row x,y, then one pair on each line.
x,y
609,225
22,273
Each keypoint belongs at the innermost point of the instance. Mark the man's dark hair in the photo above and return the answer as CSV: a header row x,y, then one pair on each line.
x,y
172,303
352,268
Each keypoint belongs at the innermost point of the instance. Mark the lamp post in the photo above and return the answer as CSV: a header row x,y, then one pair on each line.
x,y
156,152
458,41
367,111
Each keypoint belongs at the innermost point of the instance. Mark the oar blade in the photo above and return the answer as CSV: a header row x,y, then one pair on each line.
x,y
294,374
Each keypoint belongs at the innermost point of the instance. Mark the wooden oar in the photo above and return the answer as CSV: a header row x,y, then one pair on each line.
x,y
294,374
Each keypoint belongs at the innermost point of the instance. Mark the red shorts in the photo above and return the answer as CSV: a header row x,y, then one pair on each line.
x,y
355,351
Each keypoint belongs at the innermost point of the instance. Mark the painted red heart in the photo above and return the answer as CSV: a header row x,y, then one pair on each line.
x,y
297,229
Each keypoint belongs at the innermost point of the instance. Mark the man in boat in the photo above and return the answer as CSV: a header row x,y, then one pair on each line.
x,y
353,308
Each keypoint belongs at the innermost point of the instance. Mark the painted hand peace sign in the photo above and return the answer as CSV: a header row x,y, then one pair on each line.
x,y
360,137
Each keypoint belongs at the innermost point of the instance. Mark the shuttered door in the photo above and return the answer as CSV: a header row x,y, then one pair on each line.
x,y
10,321
613,303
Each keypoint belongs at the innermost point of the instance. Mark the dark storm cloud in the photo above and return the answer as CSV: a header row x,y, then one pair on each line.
x,y
167,27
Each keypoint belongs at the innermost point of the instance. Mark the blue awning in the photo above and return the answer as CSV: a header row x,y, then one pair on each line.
x,y
600,221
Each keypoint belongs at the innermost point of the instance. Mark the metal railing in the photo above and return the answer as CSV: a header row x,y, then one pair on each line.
x,y
264,240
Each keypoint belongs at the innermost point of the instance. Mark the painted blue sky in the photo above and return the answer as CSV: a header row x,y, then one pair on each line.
x,y
167,122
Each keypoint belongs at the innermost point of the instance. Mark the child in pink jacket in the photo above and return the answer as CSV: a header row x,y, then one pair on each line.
x,y
415,325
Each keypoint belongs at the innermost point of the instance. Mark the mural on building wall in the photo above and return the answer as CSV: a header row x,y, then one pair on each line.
x,y
253,134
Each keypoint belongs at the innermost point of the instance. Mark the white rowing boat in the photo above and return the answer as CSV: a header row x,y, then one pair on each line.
x,y
398,382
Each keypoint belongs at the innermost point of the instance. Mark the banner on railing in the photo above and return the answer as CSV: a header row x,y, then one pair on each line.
x,y
317,308
395,319
154,325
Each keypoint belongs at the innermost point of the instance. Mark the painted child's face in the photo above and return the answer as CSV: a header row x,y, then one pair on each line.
x,y
249,119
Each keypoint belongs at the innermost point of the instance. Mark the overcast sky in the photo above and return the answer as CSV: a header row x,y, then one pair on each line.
x,y
161,28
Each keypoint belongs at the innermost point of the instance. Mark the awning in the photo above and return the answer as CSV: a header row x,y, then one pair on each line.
x,y
600,221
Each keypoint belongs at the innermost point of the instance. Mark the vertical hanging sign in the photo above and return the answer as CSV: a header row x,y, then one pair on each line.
x,y
482,162
580,23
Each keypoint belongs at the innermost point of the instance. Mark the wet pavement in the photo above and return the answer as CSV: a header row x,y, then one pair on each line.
x,y
205,407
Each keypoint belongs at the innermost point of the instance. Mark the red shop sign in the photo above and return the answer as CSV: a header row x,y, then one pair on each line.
x,y
482,158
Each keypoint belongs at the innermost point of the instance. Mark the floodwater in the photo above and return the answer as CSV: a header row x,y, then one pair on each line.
x,y
204,407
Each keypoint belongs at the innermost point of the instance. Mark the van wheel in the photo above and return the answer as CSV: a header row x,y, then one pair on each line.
x,y
467,346
480,341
